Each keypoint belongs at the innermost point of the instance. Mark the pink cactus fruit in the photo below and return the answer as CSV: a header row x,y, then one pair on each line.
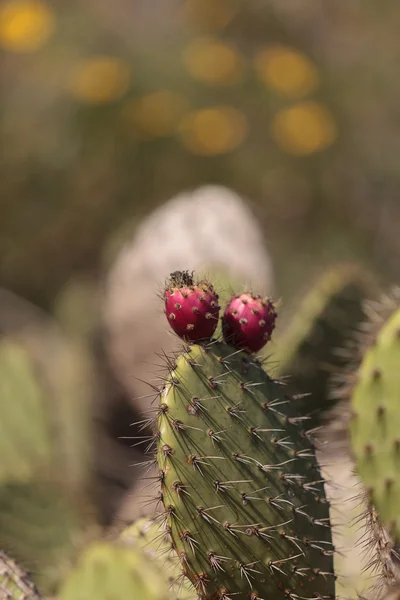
x,y
248,322
192,309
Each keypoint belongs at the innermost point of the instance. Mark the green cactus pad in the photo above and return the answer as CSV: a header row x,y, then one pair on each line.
x,y
41,528
44,507
61,373
15,584
109,571
24,428
155,542
310,348
375,424
243,496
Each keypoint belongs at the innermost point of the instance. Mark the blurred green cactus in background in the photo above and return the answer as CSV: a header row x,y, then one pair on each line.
x,y
25,438
152,537
106,570
45,505
312,347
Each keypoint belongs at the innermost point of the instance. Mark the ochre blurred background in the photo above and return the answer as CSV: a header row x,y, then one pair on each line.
x,y
110,108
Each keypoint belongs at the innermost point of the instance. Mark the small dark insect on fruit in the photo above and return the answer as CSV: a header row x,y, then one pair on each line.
x,y
181,278
191,308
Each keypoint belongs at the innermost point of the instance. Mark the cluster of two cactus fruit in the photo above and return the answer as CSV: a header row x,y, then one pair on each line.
x,y
244,500
192,310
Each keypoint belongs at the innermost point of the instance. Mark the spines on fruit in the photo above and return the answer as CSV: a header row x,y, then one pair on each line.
x,y
248,322
191,307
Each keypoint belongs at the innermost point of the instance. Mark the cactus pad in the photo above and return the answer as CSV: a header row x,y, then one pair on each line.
x,y
155,542
106,571
375,424
42,504
312,346
24,426
243,496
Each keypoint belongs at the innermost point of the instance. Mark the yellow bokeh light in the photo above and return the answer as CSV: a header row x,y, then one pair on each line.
x,y
156,114
25,25
213,131
99,80
213,62
209,13
287,71
304,128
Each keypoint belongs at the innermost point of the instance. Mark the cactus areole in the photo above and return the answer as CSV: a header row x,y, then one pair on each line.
x,y
191,308
248,322
244,500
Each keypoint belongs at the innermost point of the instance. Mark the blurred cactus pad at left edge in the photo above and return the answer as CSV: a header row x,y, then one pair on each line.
x,y
109,109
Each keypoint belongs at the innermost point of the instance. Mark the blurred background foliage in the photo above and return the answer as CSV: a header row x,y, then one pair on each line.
x,y
110,108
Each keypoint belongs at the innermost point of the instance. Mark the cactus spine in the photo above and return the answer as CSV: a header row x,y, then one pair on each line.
x,y
243,496
15,584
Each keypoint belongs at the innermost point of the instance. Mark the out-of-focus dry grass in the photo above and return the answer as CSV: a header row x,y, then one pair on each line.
x,y
108,110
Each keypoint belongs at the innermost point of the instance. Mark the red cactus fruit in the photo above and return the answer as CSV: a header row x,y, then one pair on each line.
x,y
192,309
248,322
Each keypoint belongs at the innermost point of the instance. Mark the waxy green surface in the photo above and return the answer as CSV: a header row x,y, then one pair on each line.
x,y
242,491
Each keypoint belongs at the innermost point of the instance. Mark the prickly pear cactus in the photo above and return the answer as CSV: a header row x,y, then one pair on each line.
x,y
375,424
243,496
42,528
44,509
23,401
153,538
311,347
116,571
15,584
